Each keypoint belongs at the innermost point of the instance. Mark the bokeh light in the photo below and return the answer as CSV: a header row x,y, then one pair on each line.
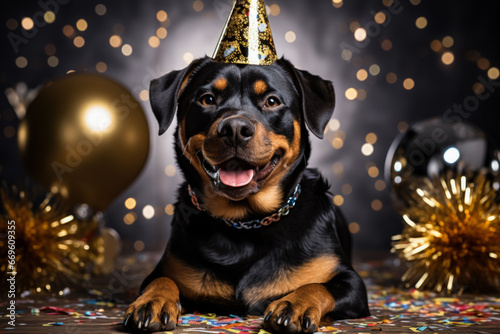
x,y
161,32
170,170
169,209
188,57
53,61
27,23
367,149
274,10
448,41
380,17
100,9
81,25
338,200
139,245
346,189
408,84
374,70
447,58
386,45
483,64
130,218
49,17
101,67
68,31
360,34
391,77
362,75
21,62
154,42
354,228
161,16
351,94
493,73
11,24
290,37
376,205
130,203
148,211
403,126
144,95
115,41
79,41
380,185
436,46
127,49
333,124
371,138
421,22
361,94
198,5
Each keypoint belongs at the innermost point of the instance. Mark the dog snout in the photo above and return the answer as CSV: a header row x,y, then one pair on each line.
x,y
236,131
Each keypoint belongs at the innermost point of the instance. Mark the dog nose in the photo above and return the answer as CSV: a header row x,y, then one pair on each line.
x,y
237,131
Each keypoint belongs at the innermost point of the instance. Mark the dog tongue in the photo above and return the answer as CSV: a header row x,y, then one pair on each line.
x,y
237,178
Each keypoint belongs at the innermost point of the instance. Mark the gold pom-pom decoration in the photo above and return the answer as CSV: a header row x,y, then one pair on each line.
x,y
44,245
444,179
452,235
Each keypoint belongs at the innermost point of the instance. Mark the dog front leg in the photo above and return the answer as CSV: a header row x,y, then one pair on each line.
x,y
300,311
158,308
303,310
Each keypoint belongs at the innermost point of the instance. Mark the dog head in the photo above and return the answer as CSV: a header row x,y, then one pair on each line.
x,y
241,139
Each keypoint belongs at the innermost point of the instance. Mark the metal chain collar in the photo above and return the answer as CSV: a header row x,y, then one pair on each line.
x,y
256,223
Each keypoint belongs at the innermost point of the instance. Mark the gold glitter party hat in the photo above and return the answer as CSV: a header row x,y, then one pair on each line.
x,y
247,37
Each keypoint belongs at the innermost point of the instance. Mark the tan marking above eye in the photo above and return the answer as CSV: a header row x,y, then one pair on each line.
x,y
260,87
220,84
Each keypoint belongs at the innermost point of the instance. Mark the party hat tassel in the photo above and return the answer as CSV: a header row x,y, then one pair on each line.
x,y
247,37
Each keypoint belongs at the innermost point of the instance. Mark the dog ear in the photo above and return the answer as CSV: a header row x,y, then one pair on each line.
x,y
318,97
165,91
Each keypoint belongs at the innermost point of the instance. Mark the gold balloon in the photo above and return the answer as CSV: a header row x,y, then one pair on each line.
x,y
85,137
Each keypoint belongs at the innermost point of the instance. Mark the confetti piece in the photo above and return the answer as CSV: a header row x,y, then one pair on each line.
x,y
53,324
263,331
57,310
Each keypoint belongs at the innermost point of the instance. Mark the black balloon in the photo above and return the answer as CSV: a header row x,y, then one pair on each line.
x,y
432,147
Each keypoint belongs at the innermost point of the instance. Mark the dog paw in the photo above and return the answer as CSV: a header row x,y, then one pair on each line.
x,y
283,316
298,312
152,312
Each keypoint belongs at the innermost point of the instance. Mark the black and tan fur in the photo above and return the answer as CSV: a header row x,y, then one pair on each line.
x,y
297,271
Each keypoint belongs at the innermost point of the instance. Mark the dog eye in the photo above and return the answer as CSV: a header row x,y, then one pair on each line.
x,y
272,102
207,100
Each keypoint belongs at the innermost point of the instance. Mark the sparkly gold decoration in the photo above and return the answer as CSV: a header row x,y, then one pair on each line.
x,y
444,181
84,137
247,37
20,97
44,247
452,235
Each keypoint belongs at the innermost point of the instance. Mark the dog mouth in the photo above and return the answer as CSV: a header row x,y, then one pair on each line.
x,y
238,173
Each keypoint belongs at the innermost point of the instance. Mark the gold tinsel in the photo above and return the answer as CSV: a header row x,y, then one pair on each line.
x,y
452,235
53,249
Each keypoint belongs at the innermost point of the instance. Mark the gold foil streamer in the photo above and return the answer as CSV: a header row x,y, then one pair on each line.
x,y
451,240
53,249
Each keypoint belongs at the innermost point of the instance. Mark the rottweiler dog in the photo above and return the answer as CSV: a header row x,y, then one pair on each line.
x,y
254,231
